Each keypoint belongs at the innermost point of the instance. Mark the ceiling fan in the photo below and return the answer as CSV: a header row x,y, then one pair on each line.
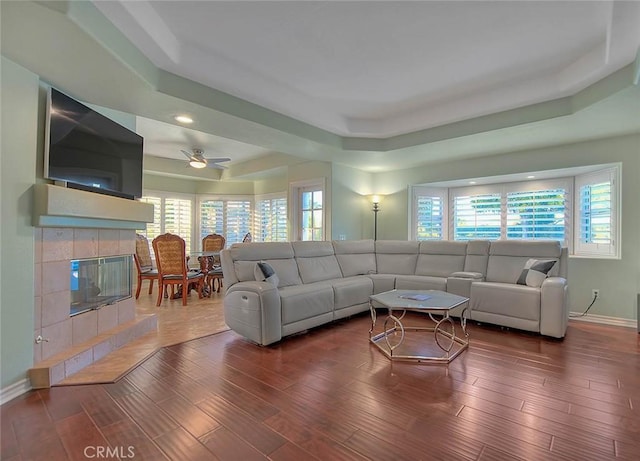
x,y
197,159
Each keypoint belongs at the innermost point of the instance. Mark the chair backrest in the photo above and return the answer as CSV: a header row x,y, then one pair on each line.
x,y
247,238
143,254
170,253
213,242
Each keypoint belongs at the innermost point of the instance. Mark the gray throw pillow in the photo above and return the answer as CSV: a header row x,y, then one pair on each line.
x,y
263,272
534,272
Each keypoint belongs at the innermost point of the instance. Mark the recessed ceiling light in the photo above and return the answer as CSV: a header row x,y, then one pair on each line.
x,y
183,119
530,176
472,182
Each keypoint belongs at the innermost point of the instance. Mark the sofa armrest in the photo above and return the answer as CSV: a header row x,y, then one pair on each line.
x,y
252,309
554,309
459,283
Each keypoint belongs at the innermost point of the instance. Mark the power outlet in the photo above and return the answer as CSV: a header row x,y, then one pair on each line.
x,y
595,293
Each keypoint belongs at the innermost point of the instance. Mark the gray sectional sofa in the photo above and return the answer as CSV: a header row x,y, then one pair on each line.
x,y
319,282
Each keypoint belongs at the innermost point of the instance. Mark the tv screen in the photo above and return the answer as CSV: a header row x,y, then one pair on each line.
x,y
90,151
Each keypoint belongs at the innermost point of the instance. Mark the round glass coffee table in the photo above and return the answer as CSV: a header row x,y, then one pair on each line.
x,y
431,302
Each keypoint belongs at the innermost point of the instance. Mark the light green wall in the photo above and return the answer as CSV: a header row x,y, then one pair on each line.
x,y
271,185
168,184
225,187
20,103
618,280
351,212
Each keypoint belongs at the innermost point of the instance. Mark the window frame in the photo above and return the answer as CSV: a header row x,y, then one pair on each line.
x,y
295,210
612,250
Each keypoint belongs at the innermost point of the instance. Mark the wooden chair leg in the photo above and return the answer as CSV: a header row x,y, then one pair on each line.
x,y
185,290
139,286
161,290
151,286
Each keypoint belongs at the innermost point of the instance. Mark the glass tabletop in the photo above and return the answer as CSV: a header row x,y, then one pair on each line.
x,y
419,299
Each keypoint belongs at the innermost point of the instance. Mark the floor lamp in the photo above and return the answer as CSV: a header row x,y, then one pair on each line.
x,y
376,208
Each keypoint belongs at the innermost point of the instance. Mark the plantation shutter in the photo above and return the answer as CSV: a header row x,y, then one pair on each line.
x,y
476,216
177,218
536,214
595,223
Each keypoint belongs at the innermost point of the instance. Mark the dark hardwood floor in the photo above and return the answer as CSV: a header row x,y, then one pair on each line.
x,y
329,394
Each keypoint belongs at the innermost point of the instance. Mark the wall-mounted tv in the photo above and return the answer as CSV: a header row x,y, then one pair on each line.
x,y
89,151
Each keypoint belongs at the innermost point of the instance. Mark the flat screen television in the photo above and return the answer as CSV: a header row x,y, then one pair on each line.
x,y
89,151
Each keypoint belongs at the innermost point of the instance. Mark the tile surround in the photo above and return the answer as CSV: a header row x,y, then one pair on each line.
x,y
54,249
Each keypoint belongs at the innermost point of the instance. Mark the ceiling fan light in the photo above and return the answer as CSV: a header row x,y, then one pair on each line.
x,y
182,118
197,164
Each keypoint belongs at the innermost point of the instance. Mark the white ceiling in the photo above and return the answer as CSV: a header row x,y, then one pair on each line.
x,y
379,69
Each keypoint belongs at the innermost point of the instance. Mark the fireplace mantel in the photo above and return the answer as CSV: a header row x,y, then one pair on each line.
x,y
57,206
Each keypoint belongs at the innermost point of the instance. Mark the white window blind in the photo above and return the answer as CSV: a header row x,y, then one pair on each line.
x,y
211,217
178,218
476,216
429,217
237,220
271,219
171,213
155,228
536,214
596,220
228,217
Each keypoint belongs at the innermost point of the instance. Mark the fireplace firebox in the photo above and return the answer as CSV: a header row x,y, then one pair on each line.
x,y
98,282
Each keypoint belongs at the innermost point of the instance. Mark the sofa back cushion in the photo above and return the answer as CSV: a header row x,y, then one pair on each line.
x,y
396,256
355,257
441,258
477,256
508,258
279,255
316,261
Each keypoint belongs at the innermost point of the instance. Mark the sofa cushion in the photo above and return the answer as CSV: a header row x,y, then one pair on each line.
x,y
477,256
355,257
351,291
507,258
506,299
441,258
316,261
305,301
421,282
535,271
396,256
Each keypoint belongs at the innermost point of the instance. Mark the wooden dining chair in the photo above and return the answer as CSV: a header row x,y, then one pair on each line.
x,y
213,243
144,265
171,259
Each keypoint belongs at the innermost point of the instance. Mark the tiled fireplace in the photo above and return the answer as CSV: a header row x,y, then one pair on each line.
x,y
72,339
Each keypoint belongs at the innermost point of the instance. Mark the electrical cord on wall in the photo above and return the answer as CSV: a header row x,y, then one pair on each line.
x,y
595,296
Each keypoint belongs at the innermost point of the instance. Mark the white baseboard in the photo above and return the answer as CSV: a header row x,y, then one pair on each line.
x,y
603,319
16,389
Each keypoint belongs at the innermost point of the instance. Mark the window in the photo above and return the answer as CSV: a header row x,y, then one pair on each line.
x,y
312,214
579,210
476,216
536,214
523,210
596,217
171,213
429,215
271,219
308,211
228,217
